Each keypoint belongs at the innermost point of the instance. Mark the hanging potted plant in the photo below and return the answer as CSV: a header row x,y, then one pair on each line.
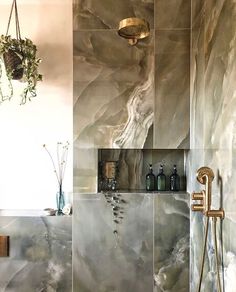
x,y
19,58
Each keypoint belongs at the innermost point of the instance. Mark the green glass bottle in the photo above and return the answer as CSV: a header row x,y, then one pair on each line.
x,y
174,181
150,180
161,179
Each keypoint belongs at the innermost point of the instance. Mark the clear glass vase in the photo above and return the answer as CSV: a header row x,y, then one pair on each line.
x,y
60,201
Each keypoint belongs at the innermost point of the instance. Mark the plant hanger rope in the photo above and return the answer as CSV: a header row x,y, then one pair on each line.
x,y
19,58
18,35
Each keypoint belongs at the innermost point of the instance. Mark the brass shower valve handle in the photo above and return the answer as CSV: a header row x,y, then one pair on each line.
x,y
197,207
198,196
205,176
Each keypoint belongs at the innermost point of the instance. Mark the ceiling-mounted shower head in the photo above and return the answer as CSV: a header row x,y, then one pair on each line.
x,y
133,29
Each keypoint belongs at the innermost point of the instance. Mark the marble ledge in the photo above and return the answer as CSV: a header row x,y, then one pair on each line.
x,y
27,213
97,196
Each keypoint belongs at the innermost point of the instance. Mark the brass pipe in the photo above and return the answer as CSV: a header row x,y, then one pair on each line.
x,y
205,176
216,255
203,254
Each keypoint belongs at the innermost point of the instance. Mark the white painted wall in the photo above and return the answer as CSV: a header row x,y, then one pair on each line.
x,y
27,180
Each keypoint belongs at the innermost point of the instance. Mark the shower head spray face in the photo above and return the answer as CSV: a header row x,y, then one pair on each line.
x,y
133,29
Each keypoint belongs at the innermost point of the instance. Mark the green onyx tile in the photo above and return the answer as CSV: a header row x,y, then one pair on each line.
x,y
126,257
171,243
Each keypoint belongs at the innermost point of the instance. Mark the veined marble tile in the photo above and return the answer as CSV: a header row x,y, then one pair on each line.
x,y
171,253
104,261
172,96
93,14
197,84
85,173
213,133
40,254
197,12
213,103
172,14
220,73
226,233
113,94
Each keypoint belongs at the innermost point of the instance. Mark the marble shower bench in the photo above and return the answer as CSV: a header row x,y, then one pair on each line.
x,y
148,250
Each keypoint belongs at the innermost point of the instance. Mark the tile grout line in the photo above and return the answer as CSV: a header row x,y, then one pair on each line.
x,y
114,29
153,244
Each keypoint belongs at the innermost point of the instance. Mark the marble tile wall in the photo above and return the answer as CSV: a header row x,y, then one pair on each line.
x,y
40,254
213,130
126,96
171,243
172,71
147,249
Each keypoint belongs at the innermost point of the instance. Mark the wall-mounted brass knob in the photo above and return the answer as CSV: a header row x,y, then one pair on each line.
x,y
197,207
198,196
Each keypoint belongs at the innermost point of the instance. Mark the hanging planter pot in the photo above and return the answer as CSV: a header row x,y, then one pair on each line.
x,y
19,58
13,64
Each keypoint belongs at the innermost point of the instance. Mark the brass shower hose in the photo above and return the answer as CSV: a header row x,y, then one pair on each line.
x,y
204,253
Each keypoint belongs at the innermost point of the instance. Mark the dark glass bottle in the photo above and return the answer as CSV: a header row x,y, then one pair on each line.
x,y
161,179
174,181
150,179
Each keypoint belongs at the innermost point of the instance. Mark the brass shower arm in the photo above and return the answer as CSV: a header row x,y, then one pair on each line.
x,y
205,176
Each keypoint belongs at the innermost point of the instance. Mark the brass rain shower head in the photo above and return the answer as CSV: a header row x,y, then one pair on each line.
x,y
133,29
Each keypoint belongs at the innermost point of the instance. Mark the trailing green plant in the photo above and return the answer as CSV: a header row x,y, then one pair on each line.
x,y
28,62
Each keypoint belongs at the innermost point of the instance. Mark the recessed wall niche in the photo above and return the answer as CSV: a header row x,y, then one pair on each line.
x,y
133,165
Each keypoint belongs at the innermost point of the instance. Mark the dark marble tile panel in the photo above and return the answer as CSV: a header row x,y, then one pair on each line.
x,y
172,14
197,12
113,93
172,94
172,42
106,14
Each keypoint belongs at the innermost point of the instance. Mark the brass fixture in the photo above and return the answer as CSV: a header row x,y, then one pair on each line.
x,y
205,176
4,246
133,29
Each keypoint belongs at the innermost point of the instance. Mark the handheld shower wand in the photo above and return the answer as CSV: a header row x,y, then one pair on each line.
x,y
205,176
